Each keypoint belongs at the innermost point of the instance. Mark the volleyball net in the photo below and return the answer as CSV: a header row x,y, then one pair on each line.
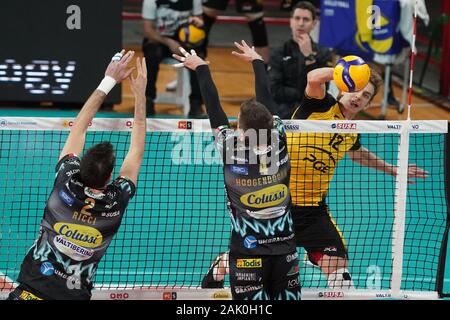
x,y
178,221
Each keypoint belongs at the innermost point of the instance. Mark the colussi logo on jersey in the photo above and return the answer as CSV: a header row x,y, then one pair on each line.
x,y
249,263
267,197
84,236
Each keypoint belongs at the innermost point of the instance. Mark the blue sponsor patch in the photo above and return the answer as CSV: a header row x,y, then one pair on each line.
x,y
250,242
47,269
240,170
66,198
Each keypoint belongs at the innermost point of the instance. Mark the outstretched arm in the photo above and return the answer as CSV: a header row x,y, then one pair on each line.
x,y
366,158
133,160
116,72
262,86
217,116
317,79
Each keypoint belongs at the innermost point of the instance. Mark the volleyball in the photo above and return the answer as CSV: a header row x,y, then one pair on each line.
x,y
191,36
351,73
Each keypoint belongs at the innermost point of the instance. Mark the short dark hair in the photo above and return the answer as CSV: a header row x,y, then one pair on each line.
x,y
97,165
376,80
255,115
305,5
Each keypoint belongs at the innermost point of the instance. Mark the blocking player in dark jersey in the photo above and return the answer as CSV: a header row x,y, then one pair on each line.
x,y
85,208
263,257
314,158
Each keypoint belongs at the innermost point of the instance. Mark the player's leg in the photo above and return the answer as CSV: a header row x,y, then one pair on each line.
x,y
330,253
336,270
254,12
217,272
211,10
195,98
284,278
153,53
316,231
248,276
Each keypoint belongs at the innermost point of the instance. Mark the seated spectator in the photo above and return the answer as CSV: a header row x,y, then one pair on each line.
x,y
290,63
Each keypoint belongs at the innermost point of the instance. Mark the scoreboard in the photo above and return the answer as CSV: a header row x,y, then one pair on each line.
x,y
57,50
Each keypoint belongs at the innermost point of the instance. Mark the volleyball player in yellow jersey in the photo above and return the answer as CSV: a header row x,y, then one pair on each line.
x,y
314,157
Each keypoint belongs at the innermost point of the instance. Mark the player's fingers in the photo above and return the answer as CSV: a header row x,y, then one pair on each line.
x,y
127,58
138,65
178,65
237,54
179,58
239,46
144,66
129,72
184,52
117,56
245,44
193,52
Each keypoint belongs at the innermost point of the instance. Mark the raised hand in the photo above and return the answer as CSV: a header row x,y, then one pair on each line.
x,y
118,67
139,83
198,22
247,53
190,60
304,44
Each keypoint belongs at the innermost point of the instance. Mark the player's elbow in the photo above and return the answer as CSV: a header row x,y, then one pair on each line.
x,y
313,78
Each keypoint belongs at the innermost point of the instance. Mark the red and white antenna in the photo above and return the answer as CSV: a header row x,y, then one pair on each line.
x,y
411,65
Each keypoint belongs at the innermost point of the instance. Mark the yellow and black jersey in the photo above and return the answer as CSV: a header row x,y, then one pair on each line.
x,y
314,156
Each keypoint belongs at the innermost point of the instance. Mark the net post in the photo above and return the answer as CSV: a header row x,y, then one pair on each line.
x,y
398,230
443,253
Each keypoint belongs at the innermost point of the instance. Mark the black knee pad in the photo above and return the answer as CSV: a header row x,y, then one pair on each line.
x,y
259,32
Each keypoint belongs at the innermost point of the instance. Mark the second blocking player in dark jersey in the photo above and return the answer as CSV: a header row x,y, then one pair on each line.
x,y
84,211
263,258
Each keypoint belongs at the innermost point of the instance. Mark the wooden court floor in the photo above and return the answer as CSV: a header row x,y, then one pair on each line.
x,y
234,80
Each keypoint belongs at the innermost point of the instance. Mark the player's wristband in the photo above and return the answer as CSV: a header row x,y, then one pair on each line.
x,y
107,84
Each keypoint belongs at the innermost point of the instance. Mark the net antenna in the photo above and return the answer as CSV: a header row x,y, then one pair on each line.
x,y
411,66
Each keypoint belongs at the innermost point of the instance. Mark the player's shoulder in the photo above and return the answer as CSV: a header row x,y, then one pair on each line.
x,y
70,161
310,105
124,184
224,131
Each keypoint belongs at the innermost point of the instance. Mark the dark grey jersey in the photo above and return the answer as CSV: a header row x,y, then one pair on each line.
x,y
77,228
257,186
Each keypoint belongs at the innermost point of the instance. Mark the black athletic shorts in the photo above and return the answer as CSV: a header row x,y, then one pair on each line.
x,y
242,6
316,231
265,277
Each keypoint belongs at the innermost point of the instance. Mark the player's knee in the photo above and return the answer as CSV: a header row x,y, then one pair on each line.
x,y
315,257
259,32
340,279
